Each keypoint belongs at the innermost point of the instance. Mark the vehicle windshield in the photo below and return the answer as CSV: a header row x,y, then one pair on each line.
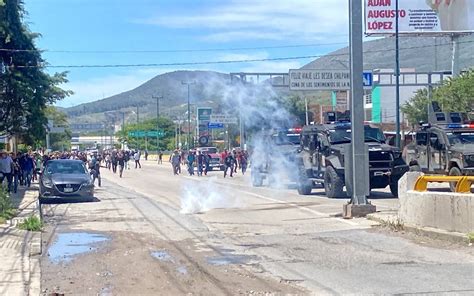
x,y
211,150
372,134
461,138
69,167
283,138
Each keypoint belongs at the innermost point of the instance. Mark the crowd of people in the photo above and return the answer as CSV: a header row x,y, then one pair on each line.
x,y
199,161
20,169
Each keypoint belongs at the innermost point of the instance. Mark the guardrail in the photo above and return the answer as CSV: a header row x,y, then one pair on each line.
x,y
463,183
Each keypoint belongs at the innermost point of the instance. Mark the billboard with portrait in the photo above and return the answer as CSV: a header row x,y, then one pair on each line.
x,y
419,16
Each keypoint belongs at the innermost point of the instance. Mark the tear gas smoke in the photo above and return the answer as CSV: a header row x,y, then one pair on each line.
x,y
203,195
264,114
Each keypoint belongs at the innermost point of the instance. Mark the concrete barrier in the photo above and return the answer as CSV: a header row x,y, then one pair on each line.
x,y
443,210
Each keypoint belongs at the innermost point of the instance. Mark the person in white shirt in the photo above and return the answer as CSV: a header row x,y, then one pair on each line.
x,y
136,156
6,169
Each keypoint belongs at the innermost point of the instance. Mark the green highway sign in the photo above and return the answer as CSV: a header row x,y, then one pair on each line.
x,y
150,134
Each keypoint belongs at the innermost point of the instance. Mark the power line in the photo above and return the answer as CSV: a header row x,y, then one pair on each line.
x,y
175,50
220,62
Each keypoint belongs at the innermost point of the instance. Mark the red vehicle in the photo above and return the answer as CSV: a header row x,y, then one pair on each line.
x,y
215,160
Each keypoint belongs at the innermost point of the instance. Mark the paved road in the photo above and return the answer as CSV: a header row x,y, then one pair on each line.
x,y
157,233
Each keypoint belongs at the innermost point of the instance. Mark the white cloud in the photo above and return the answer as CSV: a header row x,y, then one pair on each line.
x,y
264,19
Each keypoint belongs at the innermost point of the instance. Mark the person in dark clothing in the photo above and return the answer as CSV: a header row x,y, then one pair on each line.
x,y
121,162
200,163
16,171
160,157
146,154
113,159
207,162
243,163
94,167
27,166
229,162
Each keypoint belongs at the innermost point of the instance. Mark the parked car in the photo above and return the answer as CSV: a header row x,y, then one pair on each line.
x,y
66,179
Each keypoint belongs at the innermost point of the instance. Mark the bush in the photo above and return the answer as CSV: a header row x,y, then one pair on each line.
x,y
7,210
31,223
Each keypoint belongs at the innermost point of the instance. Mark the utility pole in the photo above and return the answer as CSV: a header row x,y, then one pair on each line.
x,y
158,98
138,114
306,109
397,78
189,112
357,163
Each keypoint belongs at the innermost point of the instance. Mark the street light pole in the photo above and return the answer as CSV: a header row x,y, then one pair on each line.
x,y
397,78
158,98
189,112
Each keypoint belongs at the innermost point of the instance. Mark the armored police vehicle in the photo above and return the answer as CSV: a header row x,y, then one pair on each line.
x,y
321,158
445,145
275,155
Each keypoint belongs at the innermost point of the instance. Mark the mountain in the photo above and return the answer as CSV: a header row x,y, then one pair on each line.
x,y
168,85
421,53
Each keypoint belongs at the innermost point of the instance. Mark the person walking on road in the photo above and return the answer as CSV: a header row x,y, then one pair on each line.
x,y
136,156
243,162
114,161
200,163
121,162
175,160
146,154
94,166
160,157
191,160
229,162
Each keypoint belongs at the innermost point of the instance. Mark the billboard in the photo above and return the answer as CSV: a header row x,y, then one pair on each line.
x,y
419,16
307,79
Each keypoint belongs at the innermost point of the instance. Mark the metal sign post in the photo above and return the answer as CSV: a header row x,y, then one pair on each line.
x,y
359,155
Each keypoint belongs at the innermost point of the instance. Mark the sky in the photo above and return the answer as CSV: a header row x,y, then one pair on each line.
x,y
131,32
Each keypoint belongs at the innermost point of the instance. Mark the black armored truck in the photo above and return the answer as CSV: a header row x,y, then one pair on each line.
x,y
444,145
321,159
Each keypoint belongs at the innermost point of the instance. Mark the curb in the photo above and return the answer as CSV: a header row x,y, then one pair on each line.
x,y
430,232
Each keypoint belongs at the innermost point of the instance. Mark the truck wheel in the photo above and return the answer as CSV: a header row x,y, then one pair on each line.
x,y
333,184
394,188
454,171
305,187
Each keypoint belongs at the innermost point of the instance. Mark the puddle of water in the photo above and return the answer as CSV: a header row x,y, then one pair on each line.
x,y
182,270
162,256
68,245
227,259
106,291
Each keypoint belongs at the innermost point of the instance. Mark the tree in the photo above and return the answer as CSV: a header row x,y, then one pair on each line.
x,y
25,87
455,94
415,109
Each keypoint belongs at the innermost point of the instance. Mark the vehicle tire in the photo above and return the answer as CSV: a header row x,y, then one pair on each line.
x,y
415,168
304,185
394,188
454,171
333,184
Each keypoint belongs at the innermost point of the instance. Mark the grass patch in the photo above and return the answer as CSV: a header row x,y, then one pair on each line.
x,y
2,220
395,225
470,237
31,223
7,211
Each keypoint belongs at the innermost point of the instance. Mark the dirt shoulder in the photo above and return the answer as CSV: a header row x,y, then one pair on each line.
x,y
131,264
